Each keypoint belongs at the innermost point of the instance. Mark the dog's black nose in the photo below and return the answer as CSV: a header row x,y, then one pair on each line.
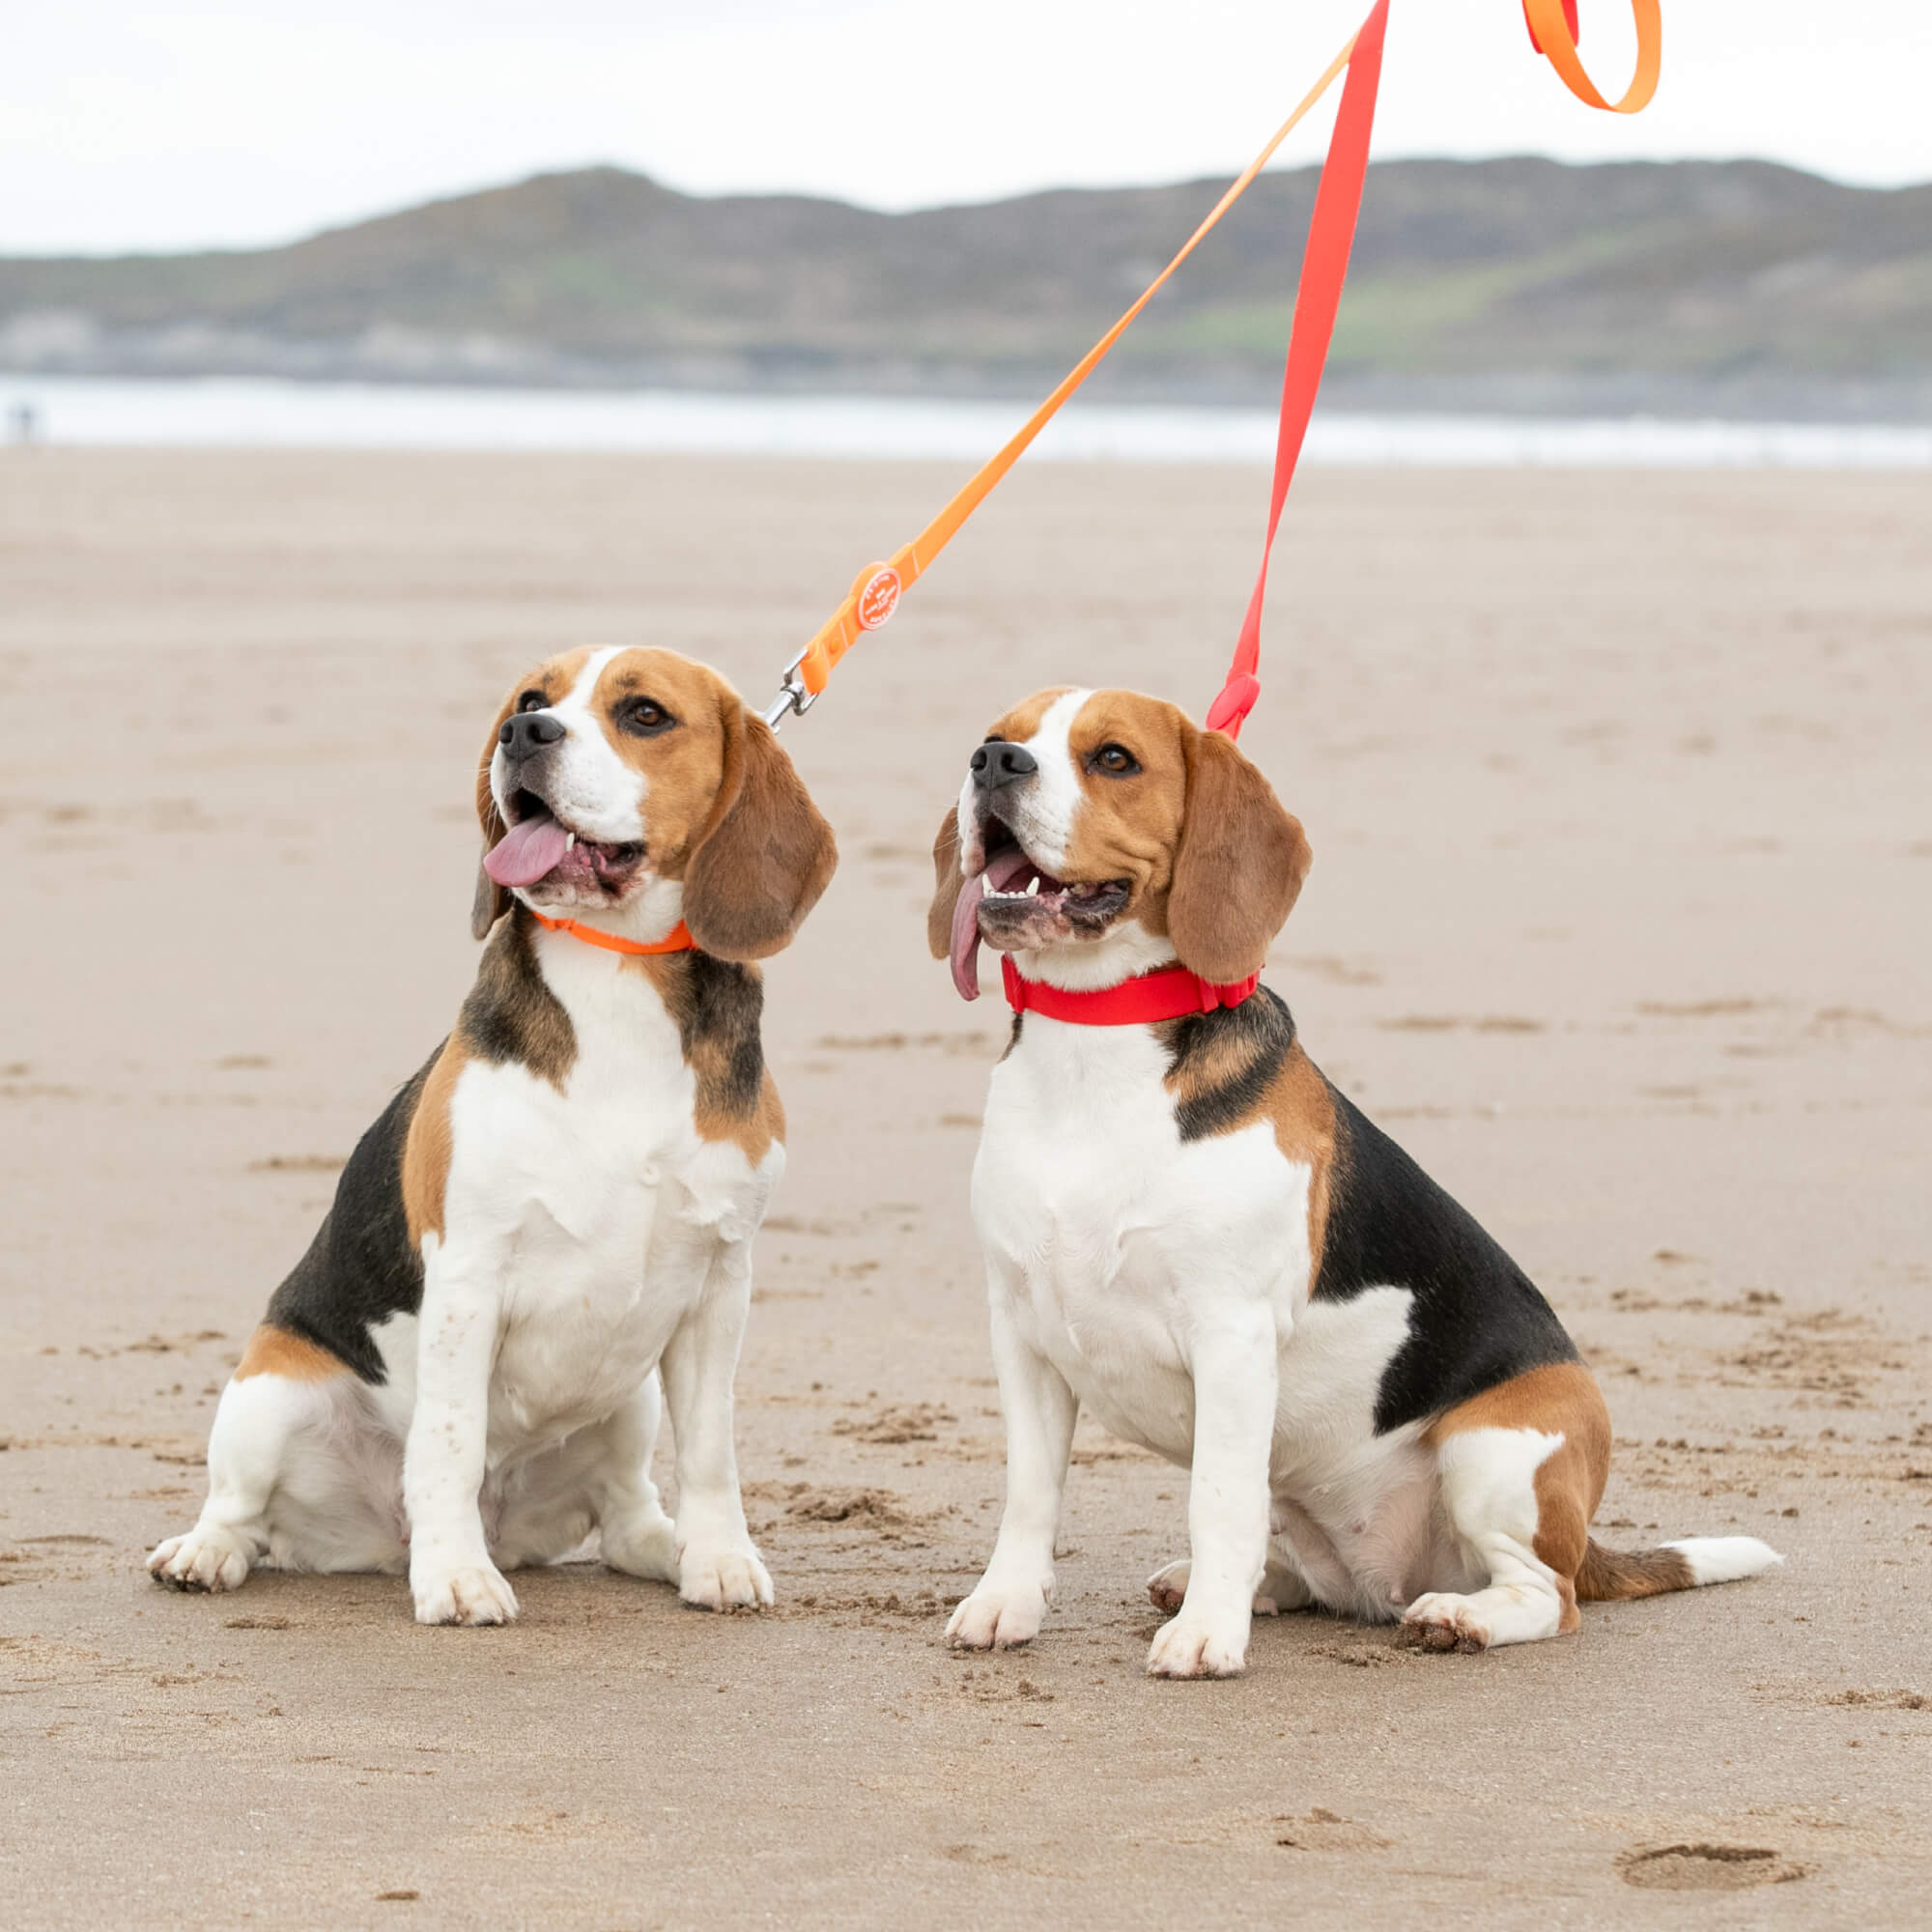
x,y
528,733
1000,763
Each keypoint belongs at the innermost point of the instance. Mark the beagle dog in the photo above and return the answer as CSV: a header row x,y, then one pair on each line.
x,y
461,1374
1189,1229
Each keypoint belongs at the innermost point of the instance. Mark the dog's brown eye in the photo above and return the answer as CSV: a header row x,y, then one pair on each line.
x,y
1116,761
644,717
532,700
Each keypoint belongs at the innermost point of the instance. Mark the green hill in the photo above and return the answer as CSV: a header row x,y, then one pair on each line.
x,y
1516,282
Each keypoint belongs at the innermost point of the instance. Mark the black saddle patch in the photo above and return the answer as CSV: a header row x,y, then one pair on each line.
x,y
361,1269
1477,1320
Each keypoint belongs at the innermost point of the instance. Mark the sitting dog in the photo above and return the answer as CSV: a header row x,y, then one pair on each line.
x,y
461,1374
1190,1230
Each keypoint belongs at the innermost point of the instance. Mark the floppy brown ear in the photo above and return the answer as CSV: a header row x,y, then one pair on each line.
x,y
946,884
1239,867
492,900
766,855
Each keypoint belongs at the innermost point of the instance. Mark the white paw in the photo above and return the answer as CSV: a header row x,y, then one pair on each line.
x,y
644,1545
724,1580
473,1593
999,1617
1196,1645
204,1559
1440,1621
1167,1589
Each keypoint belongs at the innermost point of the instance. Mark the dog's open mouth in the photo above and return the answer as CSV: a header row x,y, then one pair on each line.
x,y
539,848
1016,906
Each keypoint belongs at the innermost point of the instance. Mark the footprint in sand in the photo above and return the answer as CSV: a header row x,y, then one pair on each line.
x,y
1703,1867
1326,1831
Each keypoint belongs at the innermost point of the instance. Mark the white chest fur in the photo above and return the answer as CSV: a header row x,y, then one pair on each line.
x,y
1117,1247
1113,1238
598,1210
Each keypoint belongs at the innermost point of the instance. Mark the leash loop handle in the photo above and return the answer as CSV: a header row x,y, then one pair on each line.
x,y
1554,32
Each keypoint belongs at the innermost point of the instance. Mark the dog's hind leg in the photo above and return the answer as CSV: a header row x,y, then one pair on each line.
x,y
1521,1469
1282,1587
282,1386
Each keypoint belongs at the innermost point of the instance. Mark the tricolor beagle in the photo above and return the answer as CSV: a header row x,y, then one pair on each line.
x,y
462,1374
1190,1230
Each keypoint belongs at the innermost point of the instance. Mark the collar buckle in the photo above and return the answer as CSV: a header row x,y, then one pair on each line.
x,y
1213,998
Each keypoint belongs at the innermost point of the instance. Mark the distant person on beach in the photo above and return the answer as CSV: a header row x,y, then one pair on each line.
x,y
24,421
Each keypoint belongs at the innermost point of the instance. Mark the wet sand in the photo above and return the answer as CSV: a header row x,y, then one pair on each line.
x,y
1619,921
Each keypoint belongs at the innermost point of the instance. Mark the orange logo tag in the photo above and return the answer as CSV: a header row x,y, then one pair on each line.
x,y
878,598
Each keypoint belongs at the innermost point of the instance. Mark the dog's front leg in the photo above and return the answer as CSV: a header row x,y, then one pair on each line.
x,y
718,1565
1235,1384
451,1576
1010,1602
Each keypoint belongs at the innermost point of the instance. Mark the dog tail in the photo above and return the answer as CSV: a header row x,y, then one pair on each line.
x,y
1609,1576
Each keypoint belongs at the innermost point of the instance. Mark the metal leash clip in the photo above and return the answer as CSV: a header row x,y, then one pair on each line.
x,y
793,698
872,599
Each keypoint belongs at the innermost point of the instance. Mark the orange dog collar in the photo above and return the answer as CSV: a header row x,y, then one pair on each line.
x,y
677,940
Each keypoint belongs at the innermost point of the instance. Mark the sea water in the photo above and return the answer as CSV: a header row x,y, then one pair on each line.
x,y
260,413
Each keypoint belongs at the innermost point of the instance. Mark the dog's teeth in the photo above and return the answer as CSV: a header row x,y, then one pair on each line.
x,y
1033,888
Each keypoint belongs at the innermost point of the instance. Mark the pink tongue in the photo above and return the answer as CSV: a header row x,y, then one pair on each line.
x,y
526,852
1005,871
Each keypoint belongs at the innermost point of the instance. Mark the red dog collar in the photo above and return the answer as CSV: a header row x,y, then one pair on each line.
x,y
1167,993
677,940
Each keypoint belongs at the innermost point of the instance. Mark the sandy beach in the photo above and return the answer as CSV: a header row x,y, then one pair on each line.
x,y
1619,921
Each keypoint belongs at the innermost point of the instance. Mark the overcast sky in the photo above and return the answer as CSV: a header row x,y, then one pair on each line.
x,y
141,124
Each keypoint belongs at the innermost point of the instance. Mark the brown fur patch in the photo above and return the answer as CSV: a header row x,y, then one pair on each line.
x,y
1240,866
427,1149
946,883
1611,1576
753,1133
1558,1398
1302,1111
763,858
279,1352
716,1006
